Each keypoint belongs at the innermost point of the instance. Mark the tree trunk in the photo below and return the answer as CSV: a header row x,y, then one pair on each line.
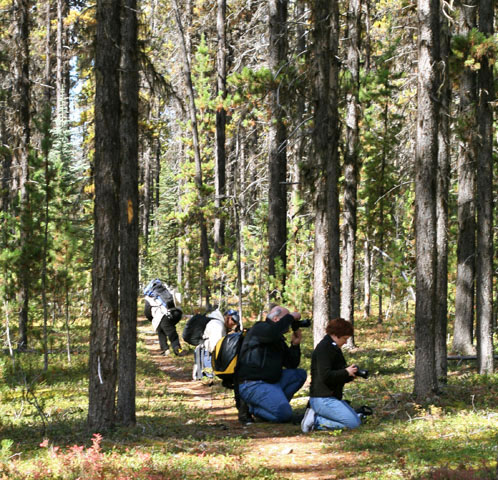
x,y
147,197
382,210
128,233
105,271
47,120
59,84
277,168
464,297
367,262
351,165
197,155
484,260
443,181
326,282
425,197
221,115
22,137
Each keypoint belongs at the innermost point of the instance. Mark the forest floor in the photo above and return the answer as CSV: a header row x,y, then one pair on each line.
x,y
282,448
287,452
188,430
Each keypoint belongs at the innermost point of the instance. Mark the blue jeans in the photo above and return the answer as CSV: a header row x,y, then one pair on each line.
x,y
271,400
333,414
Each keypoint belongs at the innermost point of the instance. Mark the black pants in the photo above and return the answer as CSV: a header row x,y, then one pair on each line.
x,y
165,332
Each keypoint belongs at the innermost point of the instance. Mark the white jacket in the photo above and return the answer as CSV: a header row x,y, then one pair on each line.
x,y
158,311
215,329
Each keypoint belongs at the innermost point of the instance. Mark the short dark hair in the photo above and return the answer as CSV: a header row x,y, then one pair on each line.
x,y
339,327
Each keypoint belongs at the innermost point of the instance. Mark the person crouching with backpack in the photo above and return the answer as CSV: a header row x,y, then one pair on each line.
x,y
217,327
267,372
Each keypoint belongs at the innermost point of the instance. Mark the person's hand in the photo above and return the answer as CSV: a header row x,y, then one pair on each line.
x,y
352,370
297,336
296,315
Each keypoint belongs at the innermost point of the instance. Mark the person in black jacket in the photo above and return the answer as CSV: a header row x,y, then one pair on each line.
x,y
329,374
267,371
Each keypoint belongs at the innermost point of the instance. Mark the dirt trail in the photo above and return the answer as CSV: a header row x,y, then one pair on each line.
x,y
282,447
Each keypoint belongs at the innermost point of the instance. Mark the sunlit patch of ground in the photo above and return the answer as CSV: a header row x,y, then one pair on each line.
x,y
280,447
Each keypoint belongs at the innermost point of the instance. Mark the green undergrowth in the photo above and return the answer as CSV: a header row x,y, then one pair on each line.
x,y
43,421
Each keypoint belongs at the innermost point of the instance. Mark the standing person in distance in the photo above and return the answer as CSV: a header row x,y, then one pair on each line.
x,y
329,373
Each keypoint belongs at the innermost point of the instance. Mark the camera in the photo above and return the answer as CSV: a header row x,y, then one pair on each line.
x,y
300,324
360,372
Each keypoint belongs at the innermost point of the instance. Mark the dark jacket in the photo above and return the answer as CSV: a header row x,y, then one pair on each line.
x,y
328,370
265,353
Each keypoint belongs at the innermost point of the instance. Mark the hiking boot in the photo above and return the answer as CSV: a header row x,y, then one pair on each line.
x,y
177,351
245,415
246,419
308,421
364,410
297,418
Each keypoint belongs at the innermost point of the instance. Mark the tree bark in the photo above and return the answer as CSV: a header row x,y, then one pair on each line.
x,y
425,197
326,281
105,271
221,115
351,165
22,136
443,181
464,297
484,260
367,267
277,160
205,291
47,120
128,234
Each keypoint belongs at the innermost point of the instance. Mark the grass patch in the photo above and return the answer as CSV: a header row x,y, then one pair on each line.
x,y
44,435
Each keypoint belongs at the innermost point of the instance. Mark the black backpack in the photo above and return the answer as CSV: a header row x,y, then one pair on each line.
x,y
194,328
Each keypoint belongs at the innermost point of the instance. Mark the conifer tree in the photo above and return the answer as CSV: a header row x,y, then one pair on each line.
x,y
425,197
105,271
326,304
277,163
21,155
484,261
465,281
128,231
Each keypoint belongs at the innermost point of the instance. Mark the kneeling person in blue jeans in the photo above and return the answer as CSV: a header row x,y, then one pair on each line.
x,y
329,374
267,368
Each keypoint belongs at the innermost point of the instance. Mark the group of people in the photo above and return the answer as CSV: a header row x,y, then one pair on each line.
x,y
268,374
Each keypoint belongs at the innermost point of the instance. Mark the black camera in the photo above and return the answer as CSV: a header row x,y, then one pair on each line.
x,y
300,324
360,372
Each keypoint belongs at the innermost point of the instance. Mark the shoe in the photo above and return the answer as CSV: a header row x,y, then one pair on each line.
x,y
308,421
177,351
246,419
364,410
245,415
297,418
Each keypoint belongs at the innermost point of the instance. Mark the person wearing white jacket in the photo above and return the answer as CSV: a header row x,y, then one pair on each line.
x,y
216,328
